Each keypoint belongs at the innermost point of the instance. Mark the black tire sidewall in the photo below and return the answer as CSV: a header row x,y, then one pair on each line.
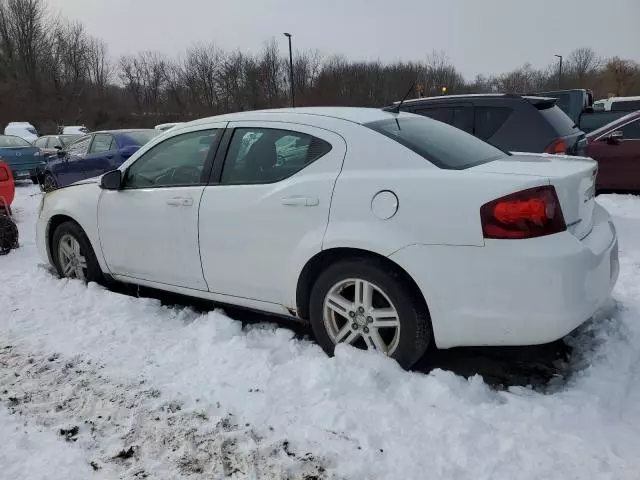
x,y
415,326
93,273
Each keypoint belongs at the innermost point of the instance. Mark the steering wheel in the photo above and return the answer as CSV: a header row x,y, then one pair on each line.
x,y
185,174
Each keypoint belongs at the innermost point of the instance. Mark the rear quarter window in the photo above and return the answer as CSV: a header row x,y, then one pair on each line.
x,y
489,119
445,146
559,121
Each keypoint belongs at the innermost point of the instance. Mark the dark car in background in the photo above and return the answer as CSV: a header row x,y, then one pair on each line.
x,y
616,148
23,159
92,155
50,144
511,122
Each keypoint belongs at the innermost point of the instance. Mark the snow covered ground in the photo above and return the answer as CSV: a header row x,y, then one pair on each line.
x,y
95,385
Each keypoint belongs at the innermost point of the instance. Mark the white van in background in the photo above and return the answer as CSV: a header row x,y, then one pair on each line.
x,y
619,103
23,130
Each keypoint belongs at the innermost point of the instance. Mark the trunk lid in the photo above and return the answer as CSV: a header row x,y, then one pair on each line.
x,y
573,178
21,157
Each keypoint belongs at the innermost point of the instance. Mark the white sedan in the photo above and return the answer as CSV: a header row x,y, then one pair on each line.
x,y
385,231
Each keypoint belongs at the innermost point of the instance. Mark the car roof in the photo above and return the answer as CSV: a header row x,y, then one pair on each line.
x,y
444,98
358,115
122,131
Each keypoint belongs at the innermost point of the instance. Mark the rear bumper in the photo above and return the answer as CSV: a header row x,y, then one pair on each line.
x,y
517,292
25,172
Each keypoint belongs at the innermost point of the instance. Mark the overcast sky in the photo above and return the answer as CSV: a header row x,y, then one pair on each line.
x,y
479,36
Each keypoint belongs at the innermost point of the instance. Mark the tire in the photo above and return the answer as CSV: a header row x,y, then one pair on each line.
x,y
406,344
49,183
69,232
34,179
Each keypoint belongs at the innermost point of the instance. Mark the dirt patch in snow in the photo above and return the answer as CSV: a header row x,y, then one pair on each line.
x,y
132,429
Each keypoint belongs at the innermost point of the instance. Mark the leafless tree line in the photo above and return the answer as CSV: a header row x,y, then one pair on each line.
x,y
53,72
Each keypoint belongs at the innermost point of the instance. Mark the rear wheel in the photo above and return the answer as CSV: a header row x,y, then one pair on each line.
x,y
49,182
361,303
73,255
34,179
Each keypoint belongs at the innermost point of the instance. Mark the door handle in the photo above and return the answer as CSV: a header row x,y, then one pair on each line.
x,y
299,201
180,202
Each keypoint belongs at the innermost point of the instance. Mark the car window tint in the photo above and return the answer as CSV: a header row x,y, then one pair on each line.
x,y
177,161
626,105
442,114
488,120
81,146
263,155
463,118
560,121
41,142
101,143
445,146
631,131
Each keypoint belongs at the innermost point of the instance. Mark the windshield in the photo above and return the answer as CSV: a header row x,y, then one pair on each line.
x,y
11,141
445,146
140,137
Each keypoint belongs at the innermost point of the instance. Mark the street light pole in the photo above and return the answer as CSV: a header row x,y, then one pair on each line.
x,y
293,95
559,71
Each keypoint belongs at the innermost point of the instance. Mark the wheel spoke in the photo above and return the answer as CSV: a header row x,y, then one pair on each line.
x,y
377,341
385,317
68,269
364,294
75,246
339,305
82,262
368,340
79,273
346,335
66,250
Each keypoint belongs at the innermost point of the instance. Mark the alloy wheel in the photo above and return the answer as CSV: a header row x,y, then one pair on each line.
x,y
73,263
359,313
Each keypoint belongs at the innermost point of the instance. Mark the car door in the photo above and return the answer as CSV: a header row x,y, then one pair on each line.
x,y
149,229
618,160
268,206
101,153
71,168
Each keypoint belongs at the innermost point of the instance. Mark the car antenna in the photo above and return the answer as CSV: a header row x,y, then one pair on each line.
x,y
396,108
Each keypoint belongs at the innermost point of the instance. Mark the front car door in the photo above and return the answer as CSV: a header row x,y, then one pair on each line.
x,y
268,205
149,229
618,161
70,169
99,159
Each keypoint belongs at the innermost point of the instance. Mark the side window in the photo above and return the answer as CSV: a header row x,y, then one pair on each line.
x,y
631,131
81,146
463,118
101,143
54,142
178,161
264,155
41,142
442,114
489,119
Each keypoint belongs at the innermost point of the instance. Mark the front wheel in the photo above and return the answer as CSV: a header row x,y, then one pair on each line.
x,y
34,179
73,255
364,304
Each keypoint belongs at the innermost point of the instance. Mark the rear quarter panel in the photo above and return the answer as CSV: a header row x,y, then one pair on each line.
x,y
436,206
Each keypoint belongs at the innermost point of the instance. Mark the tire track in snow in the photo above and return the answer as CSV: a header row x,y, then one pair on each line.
x,y
130,429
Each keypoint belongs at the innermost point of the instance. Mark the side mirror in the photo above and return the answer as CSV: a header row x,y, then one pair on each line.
x,y
58,147
111,180
61,153
614,137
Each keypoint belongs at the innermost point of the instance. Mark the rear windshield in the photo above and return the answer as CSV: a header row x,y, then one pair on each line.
x,y
11,141
559,120
140,137
445,146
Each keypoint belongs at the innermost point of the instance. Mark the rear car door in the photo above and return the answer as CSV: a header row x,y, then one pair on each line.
x,y
268,206
72,168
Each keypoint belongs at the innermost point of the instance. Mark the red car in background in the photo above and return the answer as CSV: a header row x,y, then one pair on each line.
x,y
7,188
616,148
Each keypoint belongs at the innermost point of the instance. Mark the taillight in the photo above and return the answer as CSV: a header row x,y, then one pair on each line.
x,y
559,145
4,175
530,213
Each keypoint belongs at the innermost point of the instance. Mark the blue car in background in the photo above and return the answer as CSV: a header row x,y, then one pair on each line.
x,y
23,159
92,155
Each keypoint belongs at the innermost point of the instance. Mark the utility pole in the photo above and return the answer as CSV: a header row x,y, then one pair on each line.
x,y
559,71
293,94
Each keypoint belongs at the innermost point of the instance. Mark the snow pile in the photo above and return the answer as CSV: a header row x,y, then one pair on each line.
x,y
157,392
